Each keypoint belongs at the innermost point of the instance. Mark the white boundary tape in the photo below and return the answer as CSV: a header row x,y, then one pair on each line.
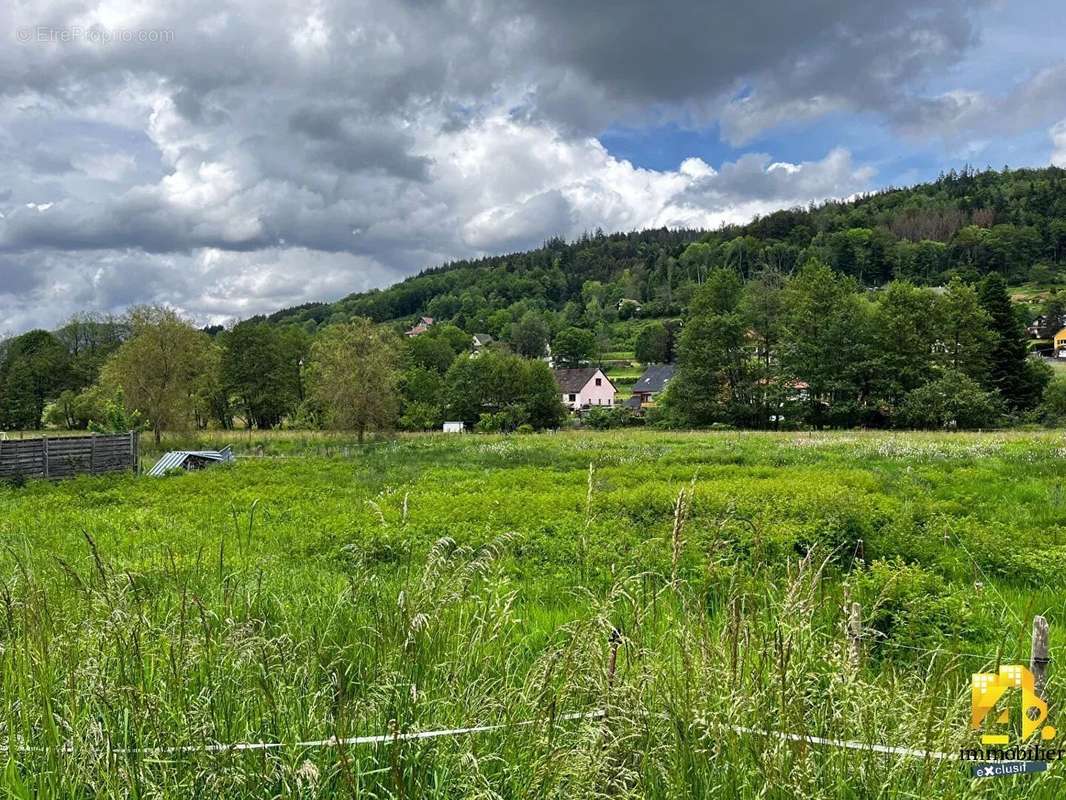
x,y
391,738
872,748
333,741
387,738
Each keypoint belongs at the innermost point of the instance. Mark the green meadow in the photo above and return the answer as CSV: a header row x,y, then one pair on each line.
x,y
614,606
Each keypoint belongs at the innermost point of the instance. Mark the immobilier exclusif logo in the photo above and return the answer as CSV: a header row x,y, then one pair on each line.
x,y
986,691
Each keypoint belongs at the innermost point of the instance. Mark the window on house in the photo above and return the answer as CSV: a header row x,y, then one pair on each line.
x,y
599,381
573,397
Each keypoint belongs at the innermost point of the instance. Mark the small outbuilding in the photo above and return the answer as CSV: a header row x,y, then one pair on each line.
x,y
191,459
454,427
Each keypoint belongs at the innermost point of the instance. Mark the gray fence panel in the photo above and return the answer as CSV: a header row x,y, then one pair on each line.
x,y
65,456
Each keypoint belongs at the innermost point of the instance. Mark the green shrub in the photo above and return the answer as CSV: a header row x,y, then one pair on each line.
x,y
604,418
951,401
907,604
16,480
1053,406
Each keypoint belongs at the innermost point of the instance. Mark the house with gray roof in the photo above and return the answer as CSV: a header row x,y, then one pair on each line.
x,y
652,382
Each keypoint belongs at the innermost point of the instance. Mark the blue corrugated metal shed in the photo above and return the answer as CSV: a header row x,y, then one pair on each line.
x,y
183,459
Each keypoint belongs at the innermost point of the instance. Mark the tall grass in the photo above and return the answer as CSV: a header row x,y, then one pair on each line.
x,y
439,599
118,667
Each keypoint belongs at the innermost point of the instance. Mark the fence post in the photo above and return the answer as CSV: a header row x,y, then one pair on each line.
x,y
92,453
855,635
612,662
44,449
1038,661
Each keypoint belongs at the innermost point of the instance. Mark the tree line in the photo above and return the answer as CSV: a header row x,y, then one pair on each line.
x,y
866,312
812,348
816,349
154,369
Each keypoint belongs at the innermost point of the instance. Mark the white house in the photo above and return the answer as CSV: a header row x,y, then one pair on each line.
x,y
481,341
584,388
454,427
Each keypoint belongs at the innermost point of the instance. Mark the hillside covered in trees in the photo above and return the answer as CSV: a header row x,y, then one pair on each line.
x,y
968,224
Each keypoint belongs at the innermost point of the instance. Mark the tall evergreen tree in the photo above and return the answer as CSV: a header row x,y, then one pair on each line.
x,y
712,383
34,370
964,337
1018,384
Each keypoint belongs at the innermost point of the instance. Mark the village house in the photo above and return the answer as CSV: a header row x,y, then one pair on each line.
x,y
481,341
421,326
1060,344
584,387
649,384
789,391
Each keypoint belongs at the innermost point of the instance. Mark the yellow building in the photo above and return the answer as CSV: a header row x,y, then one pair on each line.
x,y
1060,340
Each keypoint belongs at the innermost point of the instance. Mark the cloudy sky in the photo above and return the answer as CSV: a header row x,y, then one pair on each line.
x,y
229,157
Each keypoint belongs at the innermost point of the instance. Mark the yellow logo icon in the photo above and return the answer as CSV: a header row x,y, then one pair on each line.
x,y
988,688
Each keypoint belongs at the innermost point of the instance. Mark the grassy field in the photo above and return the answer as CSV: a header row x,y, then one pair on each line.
x,y
317,589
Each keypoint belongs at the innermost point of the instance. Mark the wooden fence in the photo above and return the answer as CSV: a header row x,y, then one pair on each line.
x,y
65,456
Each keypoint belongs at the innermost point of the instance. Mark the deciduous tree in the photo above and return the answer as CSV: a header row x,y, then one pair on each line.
x,y
353,376
573,346
654,344
529,336
159,367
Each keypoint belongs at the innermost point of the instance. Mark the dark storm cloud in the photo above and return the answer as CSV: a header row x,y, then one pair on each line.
x,y
697,57
353,146
370,139
17,276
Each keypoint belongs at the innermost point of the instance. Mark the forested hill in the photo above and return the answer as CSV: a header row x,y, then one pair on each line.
x,y
965,223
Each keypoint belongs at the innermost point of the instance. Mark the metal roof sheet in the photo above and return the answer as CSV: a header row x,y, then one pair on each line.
x,y
176,458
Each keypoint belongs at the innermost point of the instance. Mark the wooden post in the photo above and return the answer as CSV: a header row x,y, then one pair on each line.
x,y
44,449
92,454
612,661
855,635
1038,661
